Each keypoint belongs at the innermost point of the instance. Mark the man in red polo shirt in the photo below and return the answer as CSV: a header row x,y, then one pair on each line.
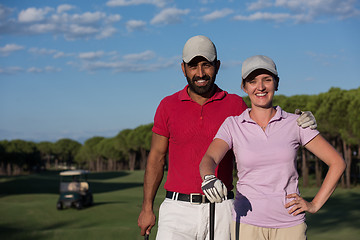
x,y
185,123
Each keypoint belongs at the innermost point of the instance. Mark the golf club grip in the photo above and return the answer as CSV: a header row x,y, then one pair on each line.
x,y
212,220
146,237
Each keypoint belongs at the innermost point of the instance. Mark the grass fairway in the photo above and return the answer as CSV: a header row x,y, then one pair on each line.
x,y
28,210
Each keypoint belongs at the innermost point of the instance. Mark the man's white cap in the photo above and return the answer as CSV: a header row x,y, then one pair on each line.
x,y
199,46
258,62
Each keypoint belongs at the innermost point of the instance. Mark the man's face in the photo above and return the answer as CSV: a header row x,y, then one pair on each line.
x,y
201,75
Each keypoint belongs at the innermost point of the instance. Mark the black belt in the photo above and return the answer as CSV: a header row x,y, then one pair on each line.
x,y
193,198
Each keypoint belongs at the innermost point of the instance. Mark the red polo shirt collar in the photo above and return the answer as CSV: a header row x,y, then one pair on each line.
x,y
219,94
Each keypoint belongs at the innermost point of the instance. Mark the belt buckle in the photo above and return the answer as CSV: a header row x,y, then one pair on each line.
x,y
196,194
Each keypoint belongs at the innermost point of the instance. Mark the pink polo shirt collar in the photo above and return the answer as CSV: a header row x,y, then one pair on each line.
x,y
278,115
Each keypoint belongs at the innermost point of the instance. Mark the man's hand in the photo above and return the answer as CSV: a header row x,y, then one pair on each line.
x,y
146,221
214,189
306,119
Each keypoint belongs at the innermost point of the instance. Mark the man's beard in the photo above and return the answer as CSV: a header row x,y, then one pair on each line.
x,y
201,90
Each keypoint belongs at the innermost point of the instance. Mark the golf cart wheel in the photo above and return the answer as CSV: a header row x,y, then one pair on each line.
x,y
59,205
79,205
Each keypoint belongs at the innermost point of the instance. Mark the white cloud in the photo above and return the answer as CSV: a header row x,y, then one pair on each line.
x,y
9,48
33,14
4,12
304,10
260,4
59,55
80,25
278,17
106,32
206,1
217,14
42,27
11,70
52,69
88,17
169,16
133,25
340,8
113,18
64,8
144,56
91,55
62,54
138,62
123,66
325,59
42,51
75,31
123,3
43,70
34,70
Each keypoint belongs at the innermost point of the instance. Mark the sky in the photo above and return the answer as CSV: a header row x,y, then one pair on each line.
x,y
79,69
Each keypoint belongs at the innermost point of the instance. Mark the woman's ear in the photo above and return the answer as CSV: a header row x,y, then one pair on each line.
x,y
277,83
244,88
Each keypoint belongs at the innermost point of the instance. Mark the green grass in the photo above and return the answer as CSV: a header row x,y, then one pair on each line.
x,y
28,210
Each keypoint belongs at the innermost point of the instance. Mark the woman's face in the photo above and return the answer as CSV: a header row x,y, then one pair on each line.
x,y
260,88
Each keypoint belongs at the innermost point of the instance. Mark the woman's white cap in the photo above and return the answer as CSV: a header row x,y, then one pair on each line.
x,y
258,62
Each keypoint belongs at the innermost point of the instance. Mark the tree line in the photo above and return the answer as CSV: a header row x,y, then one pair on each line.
x,y
337,113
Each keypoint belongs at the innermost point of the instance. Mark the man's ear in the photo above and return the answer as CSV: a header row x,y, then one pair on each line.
x,y
218,63
183,68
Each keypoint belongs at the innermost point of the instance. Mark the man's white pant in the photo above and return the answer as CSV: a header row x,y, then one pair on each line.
x,y
180,220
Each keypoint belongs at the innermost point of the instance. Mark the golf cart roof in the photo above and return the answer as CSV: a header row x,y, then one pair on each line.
x,y
74,172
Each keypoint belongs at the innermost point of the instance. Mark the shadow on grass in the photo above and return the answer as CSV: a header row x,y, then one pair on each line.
x,y
340,211
107,175
13,233
48,183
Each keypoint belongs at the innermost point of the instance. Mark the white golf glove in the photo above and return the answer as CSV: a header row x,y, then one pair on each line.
x,y
306,119
214,189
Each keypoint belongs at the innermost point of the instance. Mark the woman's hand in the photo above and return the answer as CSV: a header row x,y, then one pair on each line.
x,y
299,205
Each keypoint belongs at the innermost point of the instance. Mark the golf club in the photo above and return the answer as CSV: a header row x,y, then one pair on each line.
x,y
146,237
212,220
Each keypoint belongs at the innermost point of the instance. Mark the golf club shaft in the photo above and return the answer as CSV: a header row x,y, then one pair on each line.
x,y
212,220
146,237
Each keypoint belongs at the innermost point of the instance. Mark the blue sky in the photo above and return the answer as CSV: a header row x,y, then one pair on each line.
x,y
78,69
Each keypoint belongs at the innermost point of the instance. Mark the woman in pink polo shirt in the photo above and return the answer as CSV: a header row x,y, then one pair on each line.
x,y
265,140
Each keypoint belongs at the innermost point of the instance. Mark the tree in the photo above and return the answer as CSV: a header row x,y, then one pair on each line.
x,y
354,116
124,143
3,158
141,141
88,154
350,100
115,159
21,156
65,150
46,151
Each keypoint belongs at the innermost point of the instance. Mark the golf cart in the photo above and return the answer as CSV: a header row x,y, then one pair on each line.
x,y
74,190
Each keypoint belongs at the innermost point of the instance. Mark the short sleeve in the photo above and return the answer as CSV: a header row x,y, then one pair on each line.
x,y
224,131
307,134
160,121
